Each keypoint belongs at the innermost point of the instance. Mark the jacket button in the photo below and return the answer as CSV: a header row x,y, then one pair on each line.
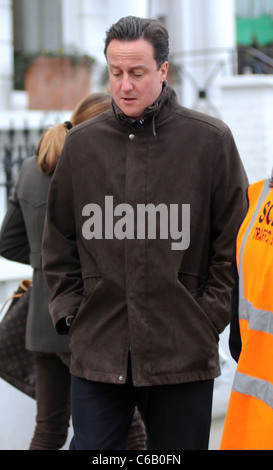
x,y
132,136
120,378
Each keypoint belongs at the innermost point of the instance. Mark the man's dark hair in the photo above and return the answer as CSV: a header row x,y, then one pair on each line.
x,y
132,28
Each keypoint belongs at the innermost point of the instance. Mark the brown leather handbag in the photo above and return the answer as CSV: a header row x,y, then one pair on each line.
x,y
17,365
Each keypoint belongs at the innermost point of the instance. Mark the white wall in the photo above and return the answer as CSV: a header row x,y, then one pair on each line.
x,y
247,107
85,22
6,53
208,37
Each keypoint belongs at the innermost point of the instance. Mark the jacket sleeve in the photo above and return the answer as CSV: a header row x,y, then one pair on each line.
x,y
235,344
60,258
14,243
228,208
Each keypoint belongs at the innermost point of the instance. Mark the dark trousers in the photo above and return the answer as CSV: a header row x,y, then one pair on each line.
x,y
53,401
53,406
177,417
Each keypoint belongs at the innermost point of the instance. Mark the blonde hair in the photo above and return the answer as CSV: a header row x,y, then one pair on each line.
x,y
52,141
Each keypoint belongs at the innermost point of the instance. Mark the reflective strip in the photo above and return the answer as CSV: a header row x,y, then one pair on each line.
x,y
265,190
259,320
260,389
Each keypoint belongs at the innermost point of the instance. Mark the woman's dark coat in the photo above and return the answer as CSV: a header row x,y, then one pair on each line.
x,y
20,240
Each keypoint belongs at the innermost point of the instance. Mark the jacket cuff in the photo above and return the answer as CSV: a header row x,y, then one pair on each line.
x,y
63,325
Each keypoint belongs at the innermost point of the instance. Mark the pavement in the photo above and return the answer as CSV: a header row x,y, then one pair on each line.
x,y
216,433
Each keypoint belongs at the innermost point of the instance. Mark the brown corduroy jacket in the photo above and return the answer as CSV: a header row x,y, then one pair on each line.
x,y
137,293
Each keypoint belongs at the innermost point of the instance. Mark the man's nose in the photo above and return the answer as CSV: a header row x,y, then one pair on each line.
x,y
126,83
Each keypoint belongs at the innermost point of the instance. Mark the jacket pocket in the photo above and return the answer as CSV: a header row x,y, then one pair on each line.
x,y
194,283
90,286
90,283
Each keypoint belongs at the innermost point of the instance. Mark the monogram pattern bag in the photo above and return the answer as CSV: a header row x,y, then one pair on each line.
x,y
17,366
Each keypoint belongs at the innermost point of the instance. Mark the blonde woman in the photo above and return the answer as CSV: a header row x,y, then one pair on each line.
x,y
20,240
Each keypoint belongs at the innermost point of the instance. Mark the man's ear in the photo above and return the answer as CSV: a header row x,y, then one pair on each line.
x,y
164,71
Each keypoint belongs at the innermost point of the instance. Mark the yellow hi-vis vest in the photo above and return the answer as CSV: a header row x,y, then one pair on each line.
x,y
249,419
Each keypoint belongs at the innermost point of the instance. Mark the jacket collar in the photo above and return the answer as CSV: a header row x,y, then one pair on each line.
x,y
150,113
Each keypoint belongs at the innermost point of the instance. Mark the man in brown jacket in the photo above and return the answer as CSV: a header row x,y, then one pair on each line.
x,y
142,215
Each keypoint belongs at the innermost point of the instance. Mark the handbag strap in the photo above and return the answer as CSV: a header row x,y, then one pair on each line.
x,y
24,286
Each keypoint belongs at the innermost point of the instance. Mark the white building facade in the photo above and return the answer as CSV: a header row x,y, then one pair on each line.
x,y
194,26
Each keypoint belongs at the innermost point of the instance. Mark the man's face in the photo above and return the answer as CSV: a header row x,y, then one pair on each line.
x,y
135,80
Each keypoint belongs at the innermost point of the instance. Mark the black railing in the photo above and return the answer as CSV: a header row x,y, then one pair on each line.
x,y
208,64
15,146
254,60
